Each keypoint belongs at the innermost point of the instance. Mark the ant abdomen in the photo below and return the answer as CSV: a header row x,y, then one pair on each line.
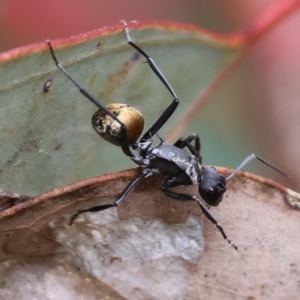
x,y
110,129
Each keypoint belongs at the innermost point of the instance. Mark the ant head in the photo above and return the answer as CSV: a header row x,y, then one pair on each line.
x,y
212,186
110,129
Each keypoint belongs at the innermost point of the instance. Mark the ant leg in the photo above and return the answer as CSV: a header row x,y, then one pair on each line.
x,y
171,108
181,143
92,209
116,203
123,137
250,158
186,142
186,197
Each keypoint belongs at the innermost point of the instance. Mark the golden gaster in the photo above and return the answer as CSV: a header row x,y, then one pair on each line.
x,y
110,129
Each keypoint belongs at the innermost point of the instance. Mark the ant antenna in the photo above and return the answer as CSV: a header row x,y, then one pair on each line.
x,y
250,158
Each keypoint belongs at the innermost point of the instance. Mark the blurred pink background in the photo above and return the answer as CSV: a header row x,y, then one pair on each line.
x,y
24,22
266,85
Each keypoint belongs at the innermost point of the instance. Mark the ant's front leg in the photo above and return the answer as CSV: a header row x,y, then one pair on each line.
x,y
186,197
122,197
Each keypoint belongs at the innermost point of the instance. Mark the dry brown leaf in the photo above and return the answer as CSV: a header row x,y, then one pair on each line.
x,y
8,200
153,247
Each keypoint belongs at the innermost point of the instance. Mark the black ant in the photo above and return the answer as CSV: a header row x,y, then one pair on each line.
x,y
122,125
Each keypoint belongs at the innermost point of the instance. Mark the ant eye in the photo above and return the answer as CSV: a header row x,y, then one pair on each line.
x,y
110,129
211,191
222,189
218,189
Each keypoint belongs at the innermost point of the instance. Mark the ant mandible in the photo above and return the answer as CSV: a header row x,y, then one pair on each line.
x,y
122,125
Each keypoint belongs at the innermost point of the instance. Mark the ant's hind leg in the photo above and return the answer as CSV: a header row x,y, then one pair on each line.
x,y
171,108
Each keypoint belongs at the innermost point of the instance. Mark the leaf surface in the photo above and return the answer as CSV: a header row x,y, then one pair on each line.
x,y
151,237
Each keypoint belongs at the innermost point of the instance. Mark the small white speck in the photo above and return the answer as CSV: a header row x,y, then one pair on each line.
x,y
132,228
42,151
52,224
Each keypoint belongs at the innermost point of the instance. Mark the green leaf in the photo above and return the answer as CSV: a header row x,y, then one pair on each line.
x,y
47,139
